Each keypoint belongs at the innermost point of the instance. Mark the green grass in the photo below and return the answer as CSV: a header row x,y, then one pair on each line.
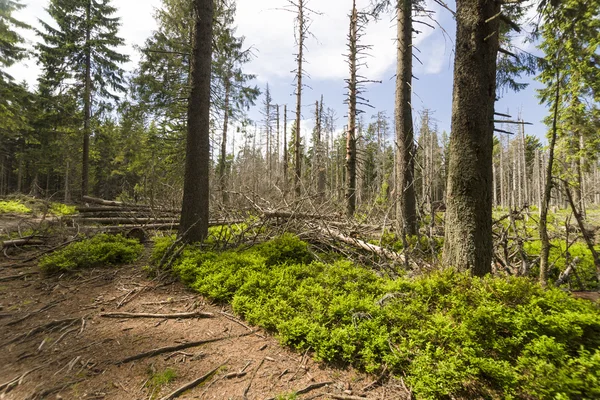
x,y
157,380
448,334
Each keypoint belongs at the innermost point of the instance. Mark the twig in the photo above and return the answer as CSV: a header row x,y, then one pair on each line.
x,y
46,307
234,319
247,389
313,387
18,379
345,397
63,335
192,384
49,325
18,276
167,349
195,314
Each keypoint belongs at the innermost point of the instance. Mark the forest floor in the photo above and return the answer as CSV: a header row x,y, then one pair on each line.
x,y
55,344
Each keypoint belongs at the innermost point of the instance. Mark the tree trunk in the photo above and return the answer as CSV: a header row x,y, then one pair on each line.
x,y
194,211
468,237
285,149
298,153
87,104
544,239
223,165
351,133
406,213
321,154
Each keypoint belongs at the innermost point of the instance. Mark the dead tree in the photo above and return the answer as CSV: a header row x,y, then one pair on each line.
x,y
354,85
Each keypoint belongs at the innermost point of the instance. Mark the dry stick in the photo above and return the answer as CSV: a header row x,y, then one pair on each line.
x,y
234,319
193,383
18,276
195,314
247,389
345,397
63,335
313,387
18,379
46,307
49,325
299,366
167,349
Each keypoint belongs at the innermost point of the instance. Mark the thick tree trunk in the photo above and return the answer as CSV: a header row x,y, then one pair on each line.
x,y
194,211
406,213
543,228
468,237
87,105
222,166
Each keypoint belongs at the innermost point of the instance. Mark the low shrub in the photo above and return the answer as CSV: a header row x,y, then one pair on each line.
x,y
449,334
13,206
100,250
60,209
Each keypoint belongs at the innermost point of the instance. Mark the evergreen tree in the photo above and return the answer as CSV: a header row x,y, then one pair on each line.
x,y
81,49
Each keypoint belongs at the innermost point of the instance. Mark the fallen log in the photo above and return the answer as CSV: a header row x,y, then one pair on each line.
x,y
195,314
125,220
96,200
21,242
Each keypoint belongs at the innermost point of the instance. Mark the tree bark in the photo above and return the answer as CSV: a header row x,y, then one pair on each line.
x,y
298,153
543,228
468,236
194,211
351,132
406,213
87,104
222,166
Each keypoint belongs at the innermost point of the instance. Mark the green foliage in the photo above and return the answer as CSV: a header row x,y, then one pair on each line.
x,y
585,268
157,380
288,396
100,250
59,209
13,206
450,333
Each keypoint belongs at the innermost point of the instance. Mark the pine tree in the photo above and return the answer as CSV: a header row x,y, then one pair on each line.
x,y
81,49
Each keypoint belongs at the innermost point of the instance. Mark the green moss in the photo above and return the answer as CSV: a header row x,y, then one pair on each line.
x,y
449,334
60,209
13,206
98,251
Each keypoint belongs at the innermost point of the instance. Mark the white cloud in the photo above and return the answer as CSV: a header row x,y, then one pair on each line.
x,y
270,29
137,24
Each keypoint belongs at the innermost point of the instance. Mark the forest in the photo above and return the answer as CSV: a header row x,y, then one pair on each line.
x,y
308,254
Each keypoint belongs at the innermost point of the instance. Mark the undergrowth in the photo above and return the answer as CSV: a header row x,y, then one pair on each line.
x,y
448,333
13,206
100,250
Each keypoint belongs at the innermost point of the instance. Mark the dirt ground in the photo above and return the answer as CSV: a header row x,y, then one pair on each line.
x,y
55,343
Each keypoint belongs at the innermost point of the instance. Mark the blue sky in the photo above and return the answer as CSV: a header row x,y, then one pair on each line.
x,y
269,28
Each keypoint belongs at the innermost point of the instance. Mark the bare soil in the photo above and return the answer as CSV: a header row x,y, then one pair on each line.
x,y
54,343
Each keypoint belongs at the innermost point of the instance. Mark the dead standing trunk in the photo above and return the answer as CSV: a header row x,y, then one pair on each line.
x,y
194,211
223,165
351,132
406,213
87,105
468,236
